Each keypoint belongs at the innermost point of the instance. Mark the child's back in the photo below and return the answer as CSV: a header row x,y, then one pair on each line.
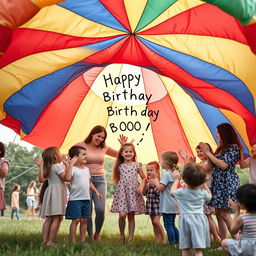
x,y
55,194
192,200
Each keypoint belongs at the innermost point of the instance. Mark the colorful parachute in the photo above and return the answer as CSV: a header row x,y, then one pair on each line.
x,y
163,72
15,13
243,10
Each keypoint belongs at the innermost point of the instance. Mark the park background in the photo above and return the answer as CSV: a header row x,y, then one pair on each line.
x,y
24,237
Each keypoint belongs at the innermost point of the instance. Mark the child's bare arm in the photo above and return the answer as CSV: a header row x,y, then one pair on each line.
x,y
144,188
205,187
211,158
155,181
237,222
236,225
69,166
176,176
143,182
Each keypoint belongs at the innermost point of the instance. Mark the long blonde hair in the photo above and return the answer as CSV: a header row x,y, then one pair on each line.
x,y
119,160
30,186
50,156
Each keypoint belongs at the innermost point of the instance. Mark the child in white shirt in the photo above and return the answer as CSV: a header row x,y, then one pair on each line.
x,y
78,208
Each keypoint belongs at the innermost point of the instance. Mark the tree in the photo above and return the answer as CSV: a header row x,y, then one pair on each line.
x,y
21,162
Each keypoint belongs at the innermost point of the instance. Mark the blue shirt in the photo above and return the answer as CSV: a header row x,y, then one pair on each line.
x,y
168,204
192,200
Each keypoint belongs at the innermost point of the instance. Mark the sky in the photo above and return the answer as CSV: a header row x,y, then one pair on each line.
x,y
8,135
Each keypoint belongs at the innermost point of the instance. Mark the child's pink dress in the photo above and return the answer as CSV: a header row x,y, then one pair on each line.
x,y
126,199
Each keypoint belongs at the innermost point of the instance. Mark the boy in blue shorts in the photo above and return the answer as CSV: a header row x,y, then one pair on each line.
x,y
78,208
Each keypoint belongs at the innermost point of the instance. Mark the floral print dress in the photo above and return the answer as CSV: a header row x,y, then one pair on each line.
x,y
126,199
225,182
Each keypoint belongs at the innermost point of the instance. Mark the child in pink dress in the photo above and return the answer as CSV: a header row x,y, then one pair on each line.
x,y
128,199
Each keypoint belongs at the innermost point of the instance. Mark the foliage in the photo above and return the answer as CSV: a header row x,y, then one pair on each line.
x,y
20,160
243,175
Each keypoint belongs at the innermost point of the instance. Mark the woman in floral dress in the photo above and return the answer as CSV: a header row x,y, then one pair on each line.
x,y
225,180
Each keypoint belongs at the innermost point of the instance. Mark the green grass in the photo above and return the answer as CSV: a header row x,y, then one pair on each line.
x,y
23,238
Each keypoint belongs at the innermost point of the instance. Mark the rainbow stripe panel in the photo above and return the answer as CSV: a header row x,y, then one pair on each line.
x,y
180,68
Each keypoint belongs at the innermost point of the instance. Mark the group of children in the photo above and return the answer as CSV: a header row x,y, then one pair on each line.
x,y
165,197
55,170
166,194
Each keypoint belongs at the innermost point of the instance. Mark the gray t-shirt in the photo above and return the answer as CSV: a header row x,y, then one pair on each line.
x,y
80,187
192,200
168,204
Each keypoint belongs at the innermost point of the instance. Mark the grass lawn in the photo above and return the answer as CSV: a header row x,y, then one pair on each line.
x,y
23,238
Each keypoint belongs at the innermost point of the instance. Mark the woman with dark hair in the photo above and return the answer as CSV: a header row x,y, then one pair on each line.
x,y
225,180
96,150
4,166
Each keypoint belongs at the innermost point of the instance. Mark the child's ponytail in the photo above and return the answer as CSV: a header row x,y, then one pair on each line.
x,y
42,191
170,159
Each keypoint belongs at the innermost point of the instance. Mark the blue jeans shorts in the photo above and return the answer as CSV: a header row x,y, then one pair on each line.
x,y
30,202
78,209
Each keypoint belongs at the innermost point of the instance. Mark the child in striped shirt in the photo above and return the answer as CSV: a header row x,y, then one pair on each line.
x,y
246,223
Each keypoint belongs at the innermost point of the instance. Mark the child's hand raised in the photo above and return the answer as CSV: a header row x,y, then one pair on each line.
x,y
122,139
65,159
233,205
73,160
176,174
38,161
152,175
153,181
192,159
183,154
204,147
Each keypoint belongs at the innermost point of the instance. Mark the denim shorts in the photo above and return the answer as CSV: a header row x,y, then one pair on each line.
x,y
30,202
78,209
